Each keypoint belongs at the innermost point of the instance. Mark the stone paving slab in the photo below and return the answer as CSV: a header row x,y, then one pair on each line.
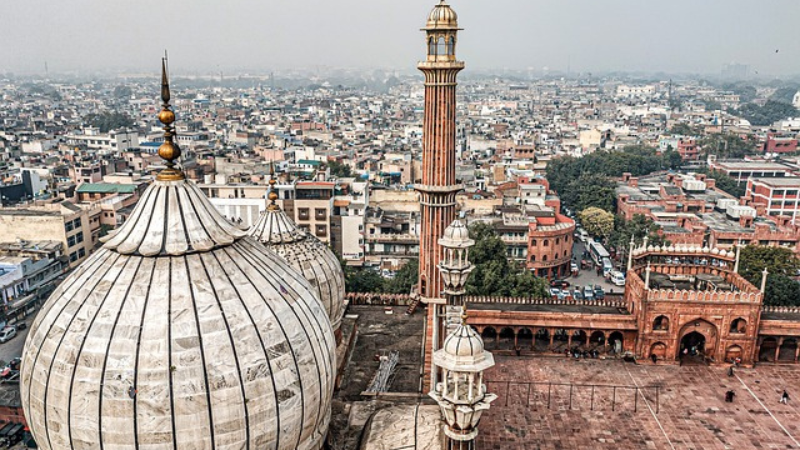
x,y
692,413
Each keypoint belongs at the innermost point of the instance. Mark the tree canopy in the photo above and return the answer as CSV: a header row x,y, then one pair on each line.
x,y
340,169
724,182
771,112
597,222
107,121
781,263
494,274
727,146
585,182
638,227
683,129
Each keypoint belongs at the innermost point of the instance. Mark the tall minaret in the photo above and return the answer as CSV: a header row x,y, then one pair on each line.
x,y
438,188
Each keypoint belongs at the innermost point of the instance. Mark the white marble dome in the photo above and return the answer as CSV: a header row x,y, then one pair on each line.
x,y
307,254
181,332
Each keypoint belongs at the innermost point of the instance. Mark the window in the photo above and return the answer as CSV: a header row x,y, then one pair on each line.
x,y
81,253
441,47
70,241
544,258
557,241
322,230
73,257
545,243
320,214
533,258
68,226
302,213
79,237
533,242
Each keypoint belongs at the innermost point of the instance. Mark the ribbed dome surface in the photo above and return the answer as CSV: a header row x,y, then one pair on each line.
x,y
307,254
442,17
464,341
180,334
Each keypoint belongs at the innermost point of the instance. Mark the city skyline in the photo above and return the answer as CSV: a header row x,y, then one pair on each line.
x,y
234,37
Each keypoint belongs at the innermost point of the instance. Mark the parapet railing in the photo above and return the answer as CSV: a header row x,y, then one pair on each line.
x,y
368,298
780,309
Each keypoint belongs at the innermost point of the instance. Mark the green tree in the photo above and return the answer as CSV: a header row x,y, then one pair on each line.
x,y
777,260
727,146
362,280
107,121
494,274
682,129
597,222
771,112
724,182
340,169
404,279
781,263
638,227
782,291
585,182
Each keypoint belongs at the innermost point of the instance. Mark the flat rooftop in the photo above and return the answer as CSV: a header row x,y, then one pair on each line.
x,y
689,411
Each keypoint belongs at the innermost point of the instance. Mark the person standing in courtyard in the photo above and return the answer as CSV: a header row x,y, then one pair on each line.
x,y
785,397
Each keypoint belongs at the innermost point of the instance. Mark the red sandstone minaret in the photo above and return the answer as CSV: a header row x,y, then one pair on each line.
x,y
438,188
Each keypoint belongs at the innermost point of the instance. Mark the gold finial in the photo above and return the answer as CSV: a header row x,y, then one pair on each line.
x,y
169,150
272,196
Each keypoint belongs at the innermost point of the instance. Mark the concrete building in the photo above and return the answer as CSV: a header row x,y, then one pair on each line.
x,y
775,196
63,222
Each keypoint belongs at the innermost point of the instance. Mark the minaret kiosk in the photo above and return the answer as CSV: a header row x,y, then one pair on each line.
x,y
439,187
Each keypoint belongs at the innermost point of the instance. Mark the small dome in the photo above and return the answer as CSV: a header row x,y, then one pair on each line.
x,y
308,255
442,17
715,251
463,350
456,235
463,342
706,249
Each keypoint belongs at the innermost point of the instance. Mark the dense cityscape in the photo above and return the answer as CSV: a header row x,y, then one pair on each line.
x,y
383,259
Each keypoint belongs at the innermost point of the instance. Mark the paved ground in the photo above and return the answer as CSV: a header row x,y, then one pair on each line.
x,y
589,276
688,413
13,348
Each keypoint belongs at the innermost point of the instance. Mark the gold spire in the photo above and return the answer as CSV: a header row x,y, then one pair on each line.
x,y
273,196
169,150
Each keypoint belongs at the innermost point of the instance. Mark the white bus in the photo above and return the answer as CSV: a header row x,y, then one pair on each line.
x,y
598,253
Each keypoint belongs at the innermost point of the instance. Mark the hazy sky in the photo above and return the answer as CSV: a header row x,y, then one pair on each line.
x,y
258,35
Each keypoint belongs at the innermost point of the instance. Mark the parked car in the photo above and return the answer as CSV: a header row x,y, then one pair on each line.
x,y
561,284
21,326
599,293
577,294
588,292
563,295
555,292
618,278
573,267
8,333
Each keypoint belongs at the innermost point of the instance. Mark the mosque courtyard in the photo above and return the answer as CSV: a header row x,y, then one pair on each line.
x,y
554,403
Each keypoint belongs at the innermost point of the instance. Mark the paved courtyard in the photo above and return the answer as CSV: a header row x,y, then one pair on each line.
x,y
675,407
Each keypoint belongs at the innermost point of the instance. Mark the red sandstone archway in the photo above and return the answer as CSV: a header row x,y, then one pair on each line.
x,y
788,350
766,352
702,328
733,352
659,349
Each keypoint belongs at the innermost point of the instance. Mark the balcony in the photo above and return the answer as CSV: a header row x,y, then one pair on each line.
x,y
393,238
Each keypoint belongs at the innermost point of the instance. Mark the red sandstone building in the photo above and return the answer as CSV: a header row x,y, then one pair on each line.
x,y
775,196
682,304
690,210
